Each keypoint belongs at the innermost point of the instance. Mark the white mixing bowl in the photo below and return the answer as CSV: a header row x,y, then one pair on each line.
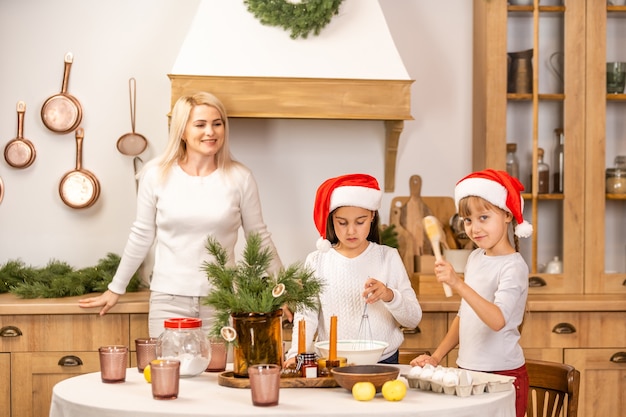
x,y
357,352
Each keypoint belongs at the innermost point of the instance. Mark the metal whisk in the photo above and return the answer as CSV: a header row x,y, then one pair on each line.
x,y
365,332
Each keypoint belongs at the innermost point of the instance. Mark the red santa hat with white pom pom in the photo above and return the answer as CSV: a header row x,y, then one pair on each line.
x,y
501,190
357,190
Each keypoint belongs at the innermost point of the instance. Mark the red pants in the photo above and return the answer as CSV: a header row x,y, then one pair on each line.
x,y
521,388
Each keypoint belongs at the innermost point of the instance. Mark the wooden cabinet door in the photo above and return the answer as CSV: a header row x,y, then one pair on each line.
x,y
544,354
602,380
426,336
80,332
5,384
33,375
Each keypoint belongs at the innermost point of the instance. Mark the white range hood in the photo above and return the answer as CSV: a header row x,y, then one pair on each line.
x,y
352,70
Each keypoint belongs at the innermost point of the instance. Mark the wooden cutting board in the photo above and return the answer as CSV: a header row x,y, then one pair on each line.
x,y
405,240
441,207
412,213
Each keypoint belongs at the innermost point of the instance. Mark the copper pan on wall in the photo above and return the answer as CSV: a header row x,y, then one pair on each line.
x,y
20,152
79,188
62,112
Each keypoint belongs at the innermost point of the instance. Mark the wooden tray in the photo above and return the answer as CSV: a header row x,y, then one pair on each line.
x,y
228,379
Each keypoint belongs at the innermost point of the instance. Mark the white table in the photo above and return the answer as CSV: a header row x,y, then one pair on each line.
x,y
87,396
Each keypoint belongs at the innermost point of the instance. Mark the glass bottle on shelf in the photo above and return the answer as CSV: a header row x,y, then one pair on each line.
x,y
512,164
558,157
543,174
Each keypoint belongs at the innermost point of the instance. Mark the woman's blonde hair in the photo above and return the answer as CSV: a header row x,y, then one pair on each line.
x,y
176,149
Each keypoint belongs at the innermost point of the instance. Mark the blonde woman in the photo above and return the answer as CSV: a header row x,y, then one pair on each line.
x,y
194,189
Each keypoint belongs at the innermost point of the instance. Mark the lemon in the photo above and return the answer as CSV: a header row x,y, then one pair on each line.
x,y
146,374
394,390
363,391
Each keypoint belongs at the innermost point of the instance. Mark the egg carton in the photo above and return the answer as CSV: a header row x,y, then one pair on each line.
x,y
481,382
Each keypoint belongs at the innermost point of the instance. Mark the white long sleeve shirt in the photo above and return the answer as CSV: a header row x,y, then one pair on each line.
x,y
344,280
178,215
502,280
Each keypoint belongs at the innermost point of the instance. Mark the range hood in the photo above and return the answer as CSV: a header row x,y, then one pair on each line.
x,y
281,89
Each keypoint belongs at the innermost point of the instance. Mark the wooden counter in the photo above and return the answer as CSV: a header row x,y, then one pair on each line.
x,y
131,302
138,303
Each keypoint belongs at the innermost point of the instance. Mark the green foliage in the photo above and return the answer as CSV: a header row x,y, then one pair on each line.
x,y
389,236
58,279
299,18
246,287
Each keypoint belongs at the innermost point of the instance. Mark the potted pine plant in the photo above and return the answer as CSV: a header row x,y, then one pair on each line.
x,y
248,301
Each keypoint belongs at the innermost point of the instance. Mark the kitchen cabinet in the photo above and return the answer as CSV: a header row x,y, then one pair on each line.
x,y
582,225
503,115
43,342
425,337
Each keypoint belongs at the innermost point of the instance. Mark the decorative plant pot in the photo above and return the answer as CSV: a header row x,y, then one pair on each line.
x,y
259,340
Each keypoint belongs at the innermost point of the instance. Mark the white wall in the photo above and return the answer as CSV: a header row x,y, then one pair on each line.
x,y
118,39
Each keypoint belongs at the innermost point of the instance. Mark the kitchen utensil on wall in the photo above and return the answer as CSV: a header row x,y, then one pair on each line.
x,y
137,165
1,189
79,188
132,143
62,112
520,76
19,152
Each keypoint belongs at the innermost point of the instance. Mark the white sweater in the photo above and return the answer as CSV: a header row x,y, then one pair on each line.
x,y
344,280
179,214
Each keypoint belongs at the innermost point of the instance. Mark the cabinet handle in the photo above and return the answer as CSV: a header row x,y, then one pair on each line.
x,y
619,357
407,330
564,328
10,331
624,283
70,360
536,282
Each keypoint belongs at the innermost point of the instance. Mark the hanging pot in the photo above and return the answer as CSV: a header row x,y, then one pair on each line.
x,y
79,188
19,152
62,112
132,143
259,340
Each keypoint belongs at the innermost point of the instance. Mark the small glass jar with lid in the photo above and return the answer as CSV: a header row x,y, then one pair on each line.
x,y
183,339
616,177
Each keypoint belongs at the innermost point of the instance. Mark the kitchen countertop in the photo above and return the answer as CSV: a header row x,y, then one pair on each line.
x,y
137,302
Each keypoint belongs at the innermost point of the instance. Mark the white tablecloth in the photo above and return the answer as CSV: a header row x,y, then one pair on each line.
x,y
87,396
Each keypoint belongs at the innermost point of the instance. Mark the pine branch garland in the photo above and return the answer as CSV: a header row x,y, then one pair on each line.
x,y
58,279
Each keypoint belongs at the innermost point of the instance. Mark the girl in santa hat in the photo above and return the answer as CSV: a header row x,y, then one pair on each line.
x,y
357,269
495,286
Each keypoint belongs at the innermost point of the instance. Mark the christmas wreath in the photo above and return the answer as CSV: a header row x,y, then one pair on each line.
x,y
299,17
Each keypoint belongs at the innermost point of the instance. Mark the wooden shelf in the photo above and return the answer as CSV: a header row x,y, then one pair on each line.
x,y
311,98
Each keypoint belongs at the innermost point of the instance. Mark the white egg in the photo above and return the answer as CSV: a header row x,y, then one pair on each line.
x,y
415,371
451,378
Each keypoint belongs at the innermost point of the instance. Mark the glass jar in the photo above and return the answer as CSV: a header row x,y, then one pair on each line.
x,y
615,181
307,364
184,339
512,164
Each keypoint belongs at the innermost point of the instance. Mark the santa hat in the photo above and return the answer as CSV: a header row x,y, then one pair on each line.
x,y
501,190
358,190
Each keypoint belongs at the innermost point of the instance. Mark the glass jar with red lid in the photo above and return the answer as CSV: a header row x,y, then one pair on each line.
x,y
183,339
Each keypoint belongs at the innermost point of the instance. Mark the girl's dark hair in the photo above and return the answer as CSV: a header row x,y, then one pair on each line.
x,y
481,203
373,236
